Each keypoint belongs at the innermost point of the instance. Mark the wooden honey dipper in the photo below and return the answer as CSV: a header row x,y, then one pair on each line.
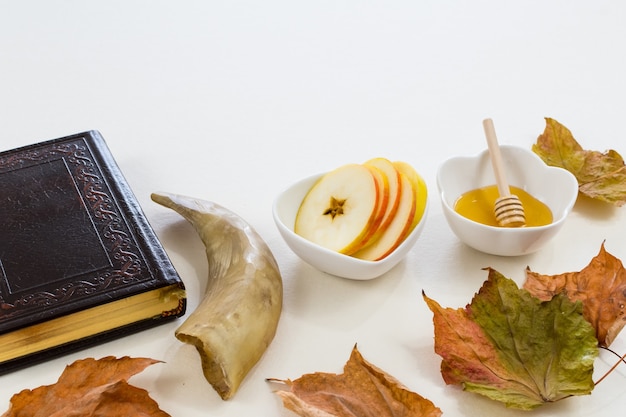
x,y
508,207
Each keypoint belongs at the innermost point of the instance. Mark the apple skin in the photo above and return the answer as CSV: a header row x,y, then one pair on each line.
x,y
392,175
419,185
384,195
397,230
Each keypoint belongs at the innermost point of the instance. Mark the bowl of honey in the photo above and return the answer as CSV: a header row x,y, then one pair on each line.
x,y
468,191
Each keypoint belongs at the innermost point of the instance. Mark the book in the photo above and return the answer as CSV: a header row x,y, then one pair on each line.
x,y
79,262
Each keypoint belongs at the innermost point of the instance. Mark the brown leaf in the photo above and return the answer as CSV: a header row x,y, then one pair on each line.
x,y
600,286
601,176
90,387
363,390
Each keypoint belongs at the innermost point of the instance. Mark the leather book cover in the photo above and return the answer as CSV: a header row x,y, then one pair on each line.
x,y
72,236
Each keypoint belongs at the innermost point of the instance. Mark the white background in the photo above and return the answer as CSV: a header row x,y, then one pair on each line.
x,y
231,101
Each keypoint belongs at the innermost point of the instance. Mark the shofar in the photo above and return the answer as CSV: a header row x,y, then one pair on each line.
x,y
237,318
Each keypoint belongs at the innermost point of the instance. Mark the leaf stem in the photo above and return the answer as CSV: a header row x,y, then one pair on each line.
x,y
622,358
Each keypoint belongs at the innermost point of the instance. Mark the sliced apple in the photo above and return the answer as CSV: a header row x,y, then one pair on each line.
x,y
392,175
363,210
419,186
341,209
397,230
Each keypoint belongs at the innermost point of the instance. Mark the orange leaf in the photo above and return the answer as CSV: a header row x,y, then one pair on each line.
x,y
600,286
363,390
90,387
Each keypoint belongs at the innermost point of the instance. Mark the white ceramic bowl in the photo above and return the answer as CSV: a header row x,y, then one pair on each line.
x,y
284,211
555,187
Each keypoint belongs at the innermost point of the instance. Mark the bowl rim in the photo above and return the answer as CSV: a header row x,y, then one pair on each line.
x,y
567,207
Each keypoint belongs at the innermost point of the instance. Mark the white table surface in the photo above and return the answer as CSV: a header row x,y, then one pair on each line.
x,y
231,101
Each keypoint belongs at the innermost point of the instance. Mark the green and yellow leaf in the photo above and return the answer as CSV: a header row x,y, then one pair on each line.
x,y
600,176
512,347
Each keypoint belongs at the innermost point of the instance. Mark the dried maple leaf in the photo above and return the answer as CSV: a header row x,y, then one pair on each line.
x,y
90,387
363,390
601,176
514,348
600,286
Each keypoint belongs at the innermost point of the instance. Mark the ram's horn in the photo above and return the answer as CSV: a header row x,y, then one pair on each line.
x,y
237,318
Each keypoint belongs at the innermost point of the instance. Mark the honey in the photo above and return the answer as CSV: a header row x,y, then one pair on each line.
x,y
478,205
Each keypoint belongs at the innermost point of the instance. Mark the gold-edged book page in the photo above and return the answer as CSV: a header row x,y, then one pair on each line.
x,y
85,323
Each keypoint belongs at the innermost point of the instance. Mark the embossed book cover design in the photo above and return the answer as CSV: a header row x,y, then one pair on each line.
x,y
72,236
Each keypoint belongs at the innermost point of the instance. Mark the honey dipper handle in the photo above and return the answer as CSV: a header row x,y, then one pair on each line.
x,y
496,158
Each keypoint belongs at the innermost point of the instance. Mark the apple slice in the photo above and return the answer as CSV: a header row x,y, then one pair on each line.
x,y
382,182
419,186
341,209
395,188
397,230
